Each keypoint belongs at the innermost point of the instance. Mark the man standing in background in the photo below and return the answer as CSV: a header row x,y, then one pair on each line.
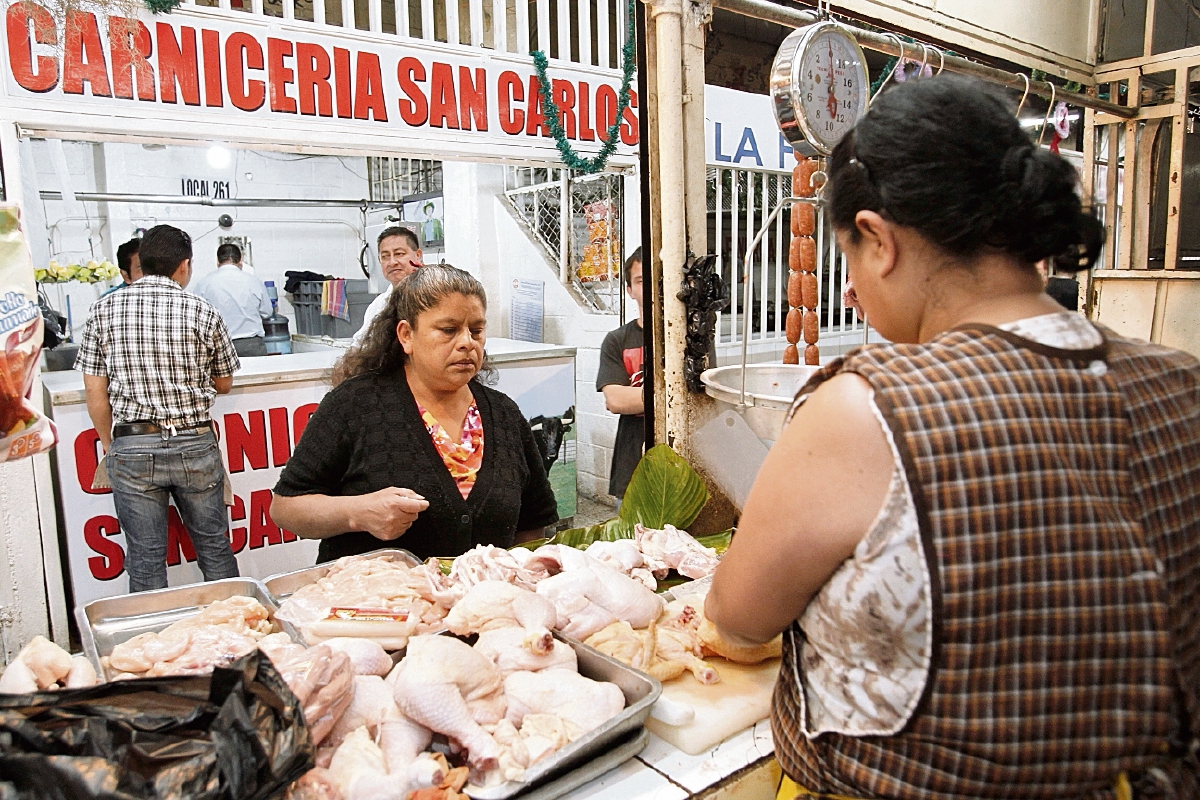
x,y
399,256
241,300
620,379
128,264
153,359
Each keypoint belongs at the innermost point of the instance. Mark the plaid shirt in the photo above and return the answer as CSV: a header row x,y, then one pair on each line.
x,y
160,348
1060,515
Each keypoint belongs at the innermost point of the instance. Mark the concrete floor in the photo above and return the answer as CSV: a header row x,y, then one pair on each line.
x,y
590,511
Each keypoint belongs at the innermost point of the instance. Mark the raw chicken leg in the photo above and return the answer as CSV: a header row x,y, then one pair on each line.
x,y
359,772
508,649
371,705
403,743
437,680
579,701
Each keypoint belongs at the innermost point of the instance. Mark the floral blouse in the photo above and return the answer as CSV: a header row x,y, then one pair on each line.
x,y
462,459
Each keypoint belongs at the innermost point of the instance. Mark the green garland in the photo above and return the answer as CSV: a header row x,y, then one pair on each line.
x,y
572,159
161,6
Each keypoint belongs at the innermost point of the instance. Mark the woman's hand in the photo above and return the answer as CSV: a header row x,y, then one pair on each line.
x,y
388,513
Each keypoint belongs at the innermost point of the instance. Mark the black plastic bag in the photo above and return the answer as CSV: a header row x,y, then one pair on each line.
x,y
238,734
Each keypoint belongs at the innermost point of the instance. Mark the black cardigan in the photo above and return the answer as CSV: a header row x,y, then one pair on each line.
x,y
367,435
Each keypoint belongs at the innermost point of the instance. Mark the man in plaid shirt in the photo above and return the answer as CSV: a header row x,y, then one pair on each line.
x,y
153,359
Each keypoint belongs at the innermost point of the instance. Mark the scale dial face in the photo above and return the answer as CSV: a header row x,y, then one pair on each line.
x,y
821,78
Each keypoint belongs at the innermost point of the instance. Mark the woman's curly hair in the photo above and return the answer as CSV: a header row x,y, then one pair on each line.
x,y
380,351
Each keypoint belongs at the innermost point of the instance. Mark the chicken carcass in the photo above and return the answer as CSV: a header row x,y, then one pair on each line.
x,y
451,688
584,704
671,548
493,604
511,651
590,596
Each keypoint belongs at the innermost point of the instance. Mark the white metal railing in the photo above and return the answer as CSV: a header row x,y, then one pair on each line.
x,y
739,201
580,31
579,223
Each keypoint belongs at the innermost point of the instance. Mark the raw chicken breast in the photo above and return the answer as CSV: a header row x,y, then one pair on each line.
x,y
582,702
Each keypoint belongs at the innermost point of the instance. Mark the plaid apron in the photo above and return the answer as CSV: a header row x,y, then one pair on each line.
x,y
1059,507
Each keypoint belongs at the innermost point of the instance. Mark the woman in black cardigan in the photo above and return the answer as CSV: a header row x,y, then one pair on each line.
x,y
367,470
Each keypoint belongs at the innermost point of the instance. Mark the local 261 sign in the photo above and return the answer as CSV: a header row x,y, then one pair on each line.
x,y
219,67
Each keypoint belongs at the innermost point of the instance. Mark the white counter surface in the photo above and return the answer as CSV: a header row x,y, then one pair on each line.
x,y
663,772
66,387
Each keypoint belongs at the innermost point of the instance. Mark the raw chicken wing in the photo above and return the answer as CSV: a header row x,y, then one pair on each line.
x,y
367,656
510,650
371,704
493,604
359,771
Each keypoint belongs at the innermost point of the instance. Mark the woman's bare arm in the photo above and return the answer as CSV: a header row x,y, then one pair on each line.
x,y
815,497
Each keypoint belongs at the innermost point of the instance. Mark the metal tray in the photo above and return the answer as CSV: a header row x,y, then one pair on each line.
x,y
641,691
283,584
618,755
106,623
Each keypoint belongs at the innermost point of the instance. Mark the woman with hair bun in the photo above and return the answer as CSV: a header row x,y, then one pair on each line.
x,y
409,447
982,540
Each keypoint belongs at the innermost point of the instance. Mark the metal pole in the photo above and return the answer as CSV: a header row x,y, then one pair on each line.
x,y
262,202
889,45
564,226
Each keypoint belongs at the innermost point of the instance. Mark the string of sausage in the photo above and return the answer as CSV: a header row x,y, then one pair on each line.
x,y
802,318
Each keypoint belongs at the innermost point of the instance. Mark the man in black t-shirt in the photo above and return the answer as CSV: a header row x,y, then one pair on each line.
x,y
620,378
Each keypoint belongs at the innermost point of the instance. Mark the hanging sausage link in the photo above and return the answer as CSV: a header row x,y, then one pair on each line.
x,y
802,291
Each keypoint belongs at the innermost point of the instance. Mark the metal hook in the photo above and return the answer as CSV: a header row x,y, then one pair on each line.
x,y
888,77
1049,111
1021,104
941,62
924,60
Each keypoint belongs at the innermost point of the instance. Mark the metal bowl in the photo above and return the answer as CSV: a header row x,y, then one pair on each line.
x,y
770,391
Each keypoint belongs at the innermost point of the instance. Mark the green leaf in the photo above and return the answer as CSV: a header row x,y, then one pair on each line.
x,y
717,541
664,491
608,531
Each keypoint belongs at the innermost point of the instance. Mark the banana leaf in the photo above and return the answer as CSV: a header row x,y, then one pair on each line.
x,y
664,490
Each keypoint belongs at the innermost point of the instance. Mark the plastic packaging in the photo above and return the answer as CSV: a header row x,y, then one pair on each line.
x,y
23,429
237,734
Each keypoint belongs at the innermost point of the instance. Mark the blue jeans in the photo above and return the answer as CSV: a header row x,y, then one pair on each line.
x,y
146,472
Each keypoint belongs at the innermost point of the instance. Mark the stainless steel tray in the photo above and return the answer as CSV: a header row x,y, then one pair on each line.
x,y
283,584
592,770
106,623
641,691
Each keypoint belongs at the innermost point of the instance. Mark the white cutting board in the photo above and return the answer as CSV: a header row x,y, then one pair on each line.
x,y
740,699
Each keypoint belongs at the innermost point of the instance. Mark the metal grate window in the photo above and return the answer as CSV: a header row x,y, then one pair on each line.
x,y
393,179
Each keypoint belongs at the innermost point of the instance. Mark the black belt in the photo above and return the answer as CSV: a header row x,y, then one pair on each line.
x,y
146,428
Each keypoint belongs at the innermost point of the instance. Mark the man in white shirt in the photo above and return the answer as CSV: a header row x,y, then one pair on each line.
x,y
399,256
241,300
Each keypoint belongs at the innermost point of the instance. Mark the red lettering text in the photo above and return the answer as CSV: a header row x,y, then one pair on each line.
x,y
110,559
87,459
606,108
237,536
585,112
263,529
83,56
214,93
341,77
246,445
473,98
535,121
279,75
312,80
131,47
18,20
414,109
443,107
629,130
177,64
511,91
368,89
243,52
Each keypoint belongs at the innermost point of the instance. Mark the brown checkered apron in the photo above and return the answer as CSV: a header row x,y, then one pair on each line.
x,y
1060,516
